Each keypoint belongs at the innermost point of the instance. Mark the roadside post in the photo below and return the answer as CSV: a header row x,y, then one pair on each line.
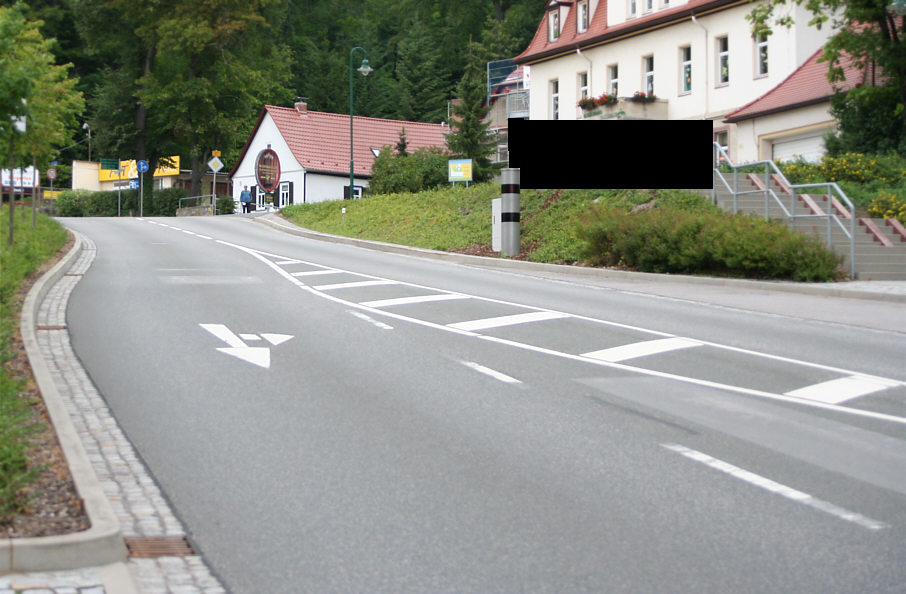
x,y
142,168
509,215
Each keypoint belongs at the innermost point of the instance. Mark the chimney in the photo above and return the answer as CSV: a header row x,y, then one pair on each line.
x,y
302,104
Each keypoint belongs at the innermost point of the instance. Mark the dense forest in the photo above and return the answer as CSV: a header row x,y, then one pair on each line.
x,y
165,78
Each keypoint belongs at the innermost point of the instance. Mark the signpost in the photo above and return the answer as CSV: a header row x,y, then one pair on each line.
x,y
142,168
216,165
459,170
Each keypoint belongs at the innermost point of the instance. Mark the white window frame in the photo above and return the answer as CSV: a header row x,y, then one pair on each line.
x,y
649,5
761,55
723,60
553,24
633,8
613,72
582,85
648,74
554,88
582,16
685,71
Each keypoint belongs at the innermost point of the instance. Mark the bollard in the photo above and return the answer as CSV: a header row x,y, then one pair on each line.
x,y
509,215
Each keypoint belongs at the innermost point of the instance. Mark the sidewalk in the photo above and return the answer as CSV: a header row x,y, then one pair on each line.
x,y
120,494
121,499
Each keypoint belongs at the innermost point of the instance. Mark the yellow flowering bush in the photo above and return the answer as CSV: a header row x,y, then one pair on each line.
x,y
888,206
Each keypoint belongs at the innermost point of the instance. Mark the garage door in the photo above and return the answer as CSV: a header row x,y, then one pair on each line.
x,y
810,148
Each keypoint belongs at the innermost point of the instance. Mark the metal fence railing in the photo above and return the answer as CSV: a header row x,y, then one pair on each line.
x,y
837,200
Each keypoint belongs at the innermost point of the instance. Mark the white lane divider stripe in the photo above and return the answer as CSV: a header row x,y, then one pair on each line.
x,y
497,322
775,487
491,372
354,285
842,389
411,300
316,272
642,349
370,320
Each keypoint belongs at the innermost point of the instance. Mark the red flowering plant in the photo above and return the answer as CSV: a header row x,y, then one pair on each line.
x,y
592,102
643,97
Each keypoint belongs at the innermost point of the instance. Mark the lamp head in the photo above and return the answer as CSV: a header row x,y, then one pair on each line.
x,y
366,68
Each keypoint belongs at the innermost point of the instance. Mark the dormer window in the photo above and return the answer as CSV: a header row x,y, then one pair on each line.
x,y
582,17
553,24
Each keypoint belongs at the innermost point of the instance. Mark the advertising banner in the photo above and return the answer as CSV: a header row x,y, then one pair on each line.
x,y
130,171
28,177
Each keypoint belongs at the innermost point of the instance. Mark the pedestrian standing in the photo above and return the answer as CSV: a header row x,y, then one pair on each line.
x,y
245,197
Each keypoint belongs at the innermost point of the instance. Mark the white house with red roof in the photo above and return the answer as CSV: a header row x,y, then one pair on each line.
x,y
698,57
312,152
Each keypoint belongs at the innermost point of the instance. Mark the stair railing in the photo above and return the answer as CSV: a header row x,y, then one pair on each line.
x,y
833,192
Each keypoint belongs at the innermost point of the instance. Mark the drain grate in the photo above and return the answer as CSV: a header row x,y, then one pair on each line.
x,y
149,547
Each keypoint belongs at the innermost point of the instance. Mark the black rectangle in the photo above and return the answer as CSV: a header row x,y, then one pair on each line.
x,y
625,154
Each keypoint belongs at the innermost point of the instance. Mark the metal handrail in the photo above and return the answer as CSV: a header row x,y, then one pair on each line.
x,y
203,197
831,189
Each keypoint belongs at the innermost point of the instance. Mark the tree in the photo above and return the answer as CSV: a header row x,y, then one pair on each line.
x,y
32,89
867,32
470,138
422,76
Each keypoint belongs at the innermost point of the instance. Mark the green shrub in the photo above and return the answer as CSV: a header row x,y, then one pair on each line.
x,y
393,173
889,205
164,203
71,203
225,205
669,239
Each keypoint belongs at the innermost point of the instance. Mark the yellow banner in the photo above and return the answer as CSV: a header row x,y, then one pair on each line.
x,y
130,171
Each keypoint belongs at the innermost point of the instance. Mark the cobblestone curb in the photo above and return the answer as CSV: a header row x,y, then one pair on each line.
x,y
102,544
130,501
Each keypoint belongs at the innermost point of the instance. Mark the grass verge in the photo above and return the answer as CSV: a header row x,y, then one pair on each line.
x,y
31,248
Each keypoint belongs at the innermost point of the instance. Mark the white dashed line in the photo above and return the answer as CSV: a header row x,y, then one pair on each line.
x,y
642,349
491,372
775,487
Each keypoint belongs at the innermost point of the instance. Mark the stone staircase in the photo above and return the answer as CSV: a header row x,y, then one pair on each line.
x,y
880,244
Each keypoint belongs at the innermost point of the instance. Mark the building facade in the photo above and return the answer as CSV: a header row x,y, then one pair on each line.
x,y
698,58
312,152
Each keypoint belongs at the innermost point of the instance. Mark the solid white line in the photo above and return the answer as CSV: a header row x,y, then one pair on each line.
x,y
491,373
642,349
778,488
316,272
355,285
497,322
287,262
411,300
841,389
204,236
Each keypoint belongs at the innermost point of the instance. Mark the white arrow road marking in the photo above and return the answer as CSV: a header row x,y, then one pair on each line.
x,y
260,356
276,339
224,334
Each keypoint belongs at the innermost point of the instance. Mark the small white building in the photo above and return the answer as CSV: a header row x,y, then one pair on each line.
x,y
698,57
312,150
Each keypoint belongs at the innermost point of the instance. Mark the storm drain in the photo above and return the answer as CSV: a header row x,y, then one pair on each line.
x,y
149,547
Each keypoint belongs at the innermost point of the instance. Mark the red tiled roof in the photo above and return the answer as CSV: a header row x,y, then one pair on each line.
x,y
598,31
806,85
320,140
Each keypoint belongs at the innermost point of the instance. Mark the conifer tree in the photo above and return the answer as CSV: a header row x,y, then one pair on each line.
x,y
470,138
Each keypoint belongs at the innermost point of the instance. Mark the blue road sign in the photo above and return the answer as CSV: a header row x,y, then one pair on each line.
x,y
142,166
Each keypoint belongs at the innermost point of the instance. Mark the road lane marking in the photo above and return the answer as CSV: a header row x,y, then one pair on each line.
x,y
371,320
287,262
642,349
775,487
224,334
267,259
316,272
511,320
354,285
412,300
491,372
842,389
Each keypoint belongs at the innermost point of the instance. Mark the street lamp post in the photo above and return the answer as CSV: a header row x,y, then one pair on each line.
x,y
365,69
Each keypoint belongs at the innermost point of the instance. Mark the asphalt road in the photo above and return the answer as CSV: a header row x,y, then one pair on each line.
x,y
334,419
